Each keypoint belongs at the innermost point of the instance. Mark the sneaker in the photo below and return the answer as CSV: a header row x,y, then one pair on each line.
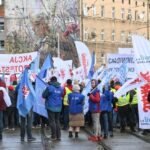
x,y
100,138
93,138
31,139
111,135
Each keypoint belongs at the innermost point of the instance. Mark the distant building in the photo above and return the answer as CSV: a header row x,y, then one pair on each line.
x,y
2,35
107,25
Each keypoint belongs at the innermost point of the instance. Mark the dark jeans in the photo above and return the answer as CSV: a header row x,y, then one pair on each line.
x,y
110,122
135,114
1,123
104,122
54,123
9,117
26,125
125,114
66,116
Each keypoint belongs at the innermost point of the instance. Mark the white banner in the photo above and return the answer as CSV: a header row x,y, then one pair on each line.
x,y
15,63
84,56
142,61
126,51
115,61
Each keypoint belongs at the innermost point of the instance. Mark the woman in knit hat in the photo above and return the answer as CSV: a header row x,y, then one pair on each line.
x,y
76,116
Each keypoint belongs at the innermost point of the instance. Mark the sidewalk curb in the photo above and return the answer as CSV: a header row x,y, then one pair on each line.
x,y
105,147
140,137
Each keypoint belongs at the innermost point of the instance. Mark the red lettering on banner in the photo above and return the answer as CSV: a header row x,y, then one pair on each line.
x,y
84,61
20,59
62,73
144,92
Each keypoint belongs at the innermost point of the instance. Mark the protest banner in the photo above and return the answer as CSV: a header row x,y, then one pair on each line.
x,y
142,61
115,61
15,62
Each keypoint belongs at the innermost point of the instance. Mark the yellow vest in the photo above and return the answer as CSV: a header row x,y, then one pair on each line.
x,y
123,100
113,90
65,100
135,99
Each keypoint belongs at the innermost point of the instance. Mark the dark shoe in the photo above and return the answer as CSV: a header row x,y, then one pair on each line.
x,y
58,139
111,135
105,136
122,131
53,139
1,137
31,139
22,139
70,134
76,135
64,128
133,130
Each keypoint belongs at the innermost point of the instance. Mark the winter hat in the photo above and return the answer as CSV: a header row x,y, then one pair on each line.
x,y
76,88
11,88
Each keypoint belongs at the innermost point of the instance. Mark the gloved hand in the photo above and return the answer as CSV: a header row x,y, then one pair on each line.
x,y
88,94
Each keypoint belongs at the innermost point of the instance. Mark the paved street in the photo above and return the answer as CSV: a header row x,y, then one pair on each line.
x,y
11,141
125,141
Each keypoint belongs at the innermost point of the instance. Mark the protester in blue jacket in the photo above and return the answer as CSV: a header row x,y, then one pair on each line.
x,y
76,116
53,95
106,112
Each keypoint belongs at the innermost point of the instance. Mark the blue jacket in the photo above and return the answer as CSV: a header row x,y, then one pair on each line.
x,y
53,95
106,101
76,102
94,101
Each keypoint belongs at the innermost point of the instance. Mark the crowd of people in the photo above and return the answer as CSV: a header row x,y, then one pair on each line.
x,y
65,107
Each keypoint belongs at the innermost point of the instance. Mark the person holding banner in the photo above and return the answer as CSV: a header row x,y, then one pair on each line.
x,y
2,106
124,112
94,108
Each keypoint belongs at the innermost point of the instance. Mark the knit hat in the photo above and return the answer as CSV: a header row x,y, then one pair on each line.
x,y
76,88
11,88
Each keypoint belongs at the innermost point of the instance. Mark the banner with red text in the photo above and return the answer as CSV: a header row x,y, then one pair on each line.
x,y
15,63
84,57
142,61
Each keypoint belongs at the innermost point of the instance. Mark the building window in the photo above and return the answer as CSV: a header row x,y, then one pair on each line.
x,y
85,10
113,1
86,35
136,3
136,15
102,11
1,44
113,12
143,4
129,2
129,15
129,38
122,1
113,35
122,13
93,35
1,2
94,10
122,36
1,26
102,35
